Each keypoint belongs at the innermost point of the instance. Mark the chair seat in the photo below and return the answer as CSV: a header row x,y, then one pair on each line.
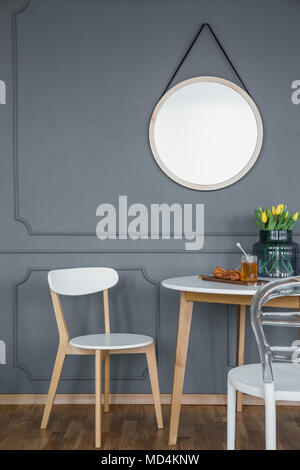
x,y
249,379
111,341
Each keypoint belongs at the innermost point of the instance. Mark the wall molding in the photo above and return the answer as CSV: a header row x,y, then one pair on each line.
x,y
95,251
210,399
21,218
14,15
231,313
157,321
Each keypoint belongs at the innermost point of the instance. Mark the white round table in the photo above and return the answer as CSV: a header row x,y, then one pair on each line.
x,y
194,289
196,284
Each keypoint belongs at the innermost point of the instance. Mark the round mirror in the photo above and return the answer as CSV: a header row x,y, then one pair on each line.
x,y
206,133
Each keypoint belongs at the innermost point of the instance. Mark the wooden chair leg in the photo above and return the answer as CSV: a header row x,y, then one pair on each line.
x,y
106,383
59,362
98,374
152,366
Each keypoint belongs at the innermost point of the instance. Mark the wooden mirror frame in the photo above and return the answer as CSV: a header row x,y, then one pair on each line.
x,y
238,176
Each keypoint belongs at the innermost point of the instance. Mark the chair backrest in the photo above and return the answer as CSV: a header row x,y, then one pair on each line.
x,y
82,281
259,319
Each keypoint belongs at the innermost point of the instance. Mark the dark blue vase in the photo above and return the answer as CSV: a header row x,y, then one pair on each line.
x,y
277,254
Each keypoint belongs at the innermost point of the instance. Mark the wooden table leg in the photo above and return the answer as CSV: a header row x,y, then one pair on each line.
x,y
240,348
183,333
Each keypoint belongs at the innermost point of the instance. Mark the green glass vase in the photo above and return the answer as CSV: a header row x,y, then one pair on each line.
x,y
277,254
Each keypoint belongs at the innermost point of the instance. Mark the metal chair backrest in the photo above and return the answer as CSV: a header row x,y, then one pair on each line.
x,y
260,318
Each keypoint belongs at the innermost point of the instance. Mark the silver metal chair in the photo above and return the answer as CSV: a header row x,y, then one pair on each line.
x,y
278,375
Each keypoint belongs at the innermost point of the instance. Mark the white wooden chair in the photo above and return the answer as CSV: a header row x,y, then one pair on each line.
x,y
83,281
272,382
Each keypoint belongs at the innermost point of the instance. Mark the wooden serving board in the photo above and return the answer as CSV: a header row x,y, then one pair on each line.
x,y
228,281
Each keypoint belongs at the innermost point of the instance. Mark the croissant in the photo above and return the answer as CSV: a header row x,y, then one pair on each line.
x,y
235,276
219,273
228,275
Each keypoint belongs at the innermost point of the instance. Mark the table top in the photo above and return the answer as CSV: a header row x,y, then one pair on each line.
x,y
195,284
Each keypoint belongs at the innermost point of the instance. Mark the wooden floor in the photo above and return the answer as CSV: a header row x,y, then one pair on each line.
x,y
134,427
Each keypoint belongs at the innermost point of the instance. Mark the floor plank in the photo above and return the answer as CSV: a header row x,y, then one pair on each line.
x,y
134,427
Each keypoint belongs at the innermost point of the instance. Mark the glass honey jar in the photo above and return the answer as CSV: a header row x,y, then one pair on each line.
x,y
249,268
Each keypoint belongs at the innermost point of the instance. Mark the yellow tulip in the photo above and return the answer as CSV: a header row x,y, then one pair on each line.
x,y
273,210
264,217
287,213
260,208
295,216
279,209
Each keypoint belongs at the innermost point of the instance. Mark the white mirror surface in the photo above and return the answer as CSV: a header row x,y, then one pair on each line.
x,y
206,133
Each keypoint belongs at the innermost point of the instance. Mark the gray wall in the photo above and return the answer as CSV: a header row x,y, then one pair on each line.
x,y
82,80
